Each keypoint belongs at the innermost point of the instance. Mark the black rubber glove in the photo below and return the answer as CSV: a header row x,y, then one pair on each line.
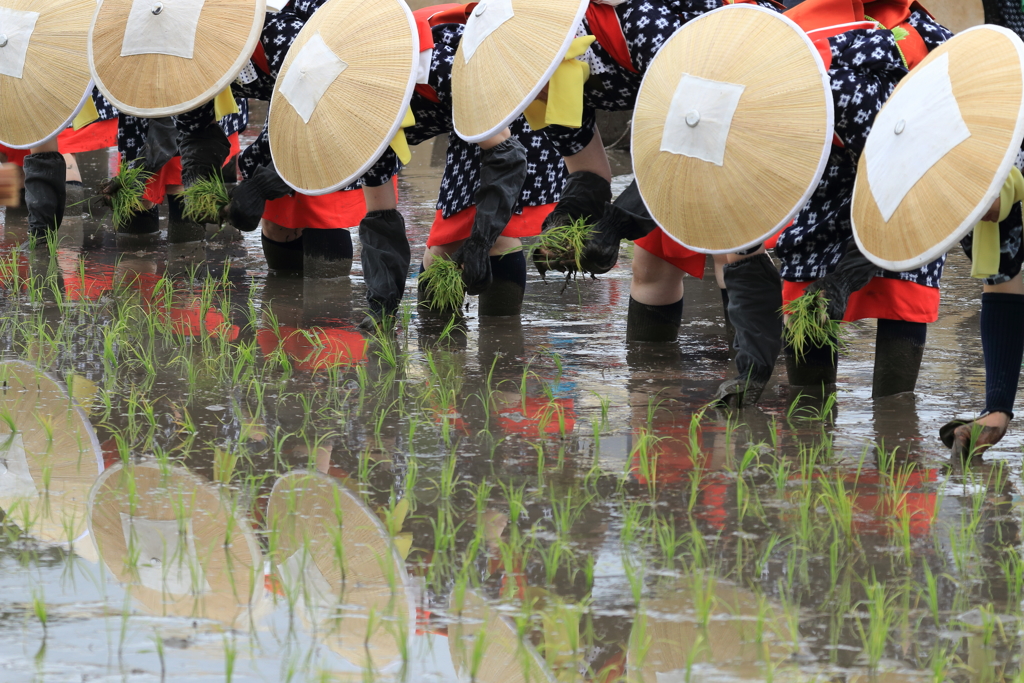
x,y
249,198
203,152
502,174
585,195
624,219
853,272
386,257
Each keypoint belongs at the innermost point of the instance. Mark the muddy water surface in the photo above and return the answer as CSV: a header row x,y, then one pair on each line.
x,y
209,474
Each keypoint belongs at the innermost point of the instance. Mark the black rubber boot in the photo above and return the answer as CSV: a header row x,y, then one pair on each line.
x,y
755,309
143,228
179,228
646,323
815,368
326,253
283,256
386,258
899,349
504,297
45,192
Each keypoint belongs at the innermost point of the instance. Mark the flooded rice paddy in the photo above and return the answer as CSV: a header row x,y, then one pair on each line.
x,y
207,474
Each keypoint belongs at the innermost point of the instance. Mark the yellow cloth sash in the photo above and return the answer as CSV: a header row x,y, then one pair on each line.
x,y
224,104
87,115
565,91
985,247
399,143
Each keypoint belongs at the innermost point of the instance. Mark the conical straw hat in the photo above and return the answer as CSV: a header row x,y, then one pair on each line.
x,y
44,77
505,658
196,555
49,456
749,131
164,57
961,112
518,45
343,92
330,550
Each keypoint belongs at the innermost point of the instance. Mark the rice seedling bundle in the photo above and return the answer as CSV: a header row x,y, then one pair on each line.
x,y
810,325
205,198
443,286
127,201
564,243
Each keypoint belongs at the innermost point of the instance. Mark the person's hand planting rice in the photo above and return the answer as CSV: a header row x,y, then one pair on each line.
x,y
123,193
249,198
583,202
561,247
10,184
853,272
624,219
203,153
206,199
502,173
443,289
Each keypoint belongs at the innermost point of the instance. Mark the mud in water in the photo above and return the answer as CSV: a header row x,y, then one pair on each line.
x,y
209,474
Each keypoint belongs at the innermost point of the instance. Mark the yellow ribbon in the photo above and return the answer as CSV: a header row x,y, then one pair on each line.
x,y
565,91
399,143
985,248
224,104
87,115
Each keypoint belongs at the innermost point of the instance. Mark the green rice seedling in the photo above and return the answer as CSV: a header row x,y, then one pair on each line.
x,y
881,611
39,608
808,325
443,286
564,244
127,201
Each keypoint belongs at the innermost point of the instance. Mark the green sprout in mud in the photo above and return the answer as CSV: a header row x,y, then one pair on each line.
x,y
127,200
443,288
563,244
809,326
205,199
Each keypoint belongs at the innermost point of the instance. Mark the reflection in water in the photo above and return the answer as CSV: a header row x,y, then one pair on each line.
x,y
340,569
49,455
178,543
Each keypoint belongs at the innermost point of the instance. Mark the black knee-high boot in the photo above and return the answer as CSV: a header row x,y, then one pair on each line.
x,y
646,323
45,192
504,296
899,348
814,368
755,309
283,256
179,228
326,253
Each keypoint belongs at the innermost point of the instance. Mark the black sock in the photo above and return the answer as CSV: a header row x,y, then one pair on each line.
x,y
175,208
1002,339
504,296
646,323
815,367
899,348
283,255
145,222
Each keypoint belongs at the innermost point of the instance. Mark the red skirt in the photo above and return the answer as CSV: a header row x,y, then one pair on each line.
x,y
332,348
97,135
882,298
458,227
667,249
341,209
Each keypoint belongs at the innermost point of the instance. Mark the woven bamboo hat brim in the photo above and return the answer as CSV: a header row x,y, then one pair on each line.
x,y
144,61
511,65
507,658
49,55
957,15
214,570
52,458
322,532
985,72
727,645
366,85
730,185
